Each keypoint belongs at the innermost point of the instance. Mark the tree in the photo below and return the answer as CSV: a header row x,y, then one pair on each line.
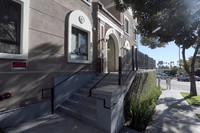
x,y
189,61
168,20
173,71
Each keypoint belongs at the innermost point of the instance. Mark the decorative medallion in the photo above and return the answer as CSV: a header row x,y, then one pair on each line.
x,y
81,19
127,45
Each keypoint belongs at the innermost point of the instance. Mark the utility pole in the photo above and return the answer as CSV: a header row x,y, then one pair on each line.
x,y
179,57
178,72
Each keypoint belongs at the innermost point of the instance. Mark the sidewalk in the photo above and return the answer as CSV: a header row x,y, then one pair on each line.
x,y
57,123
174,115
54,124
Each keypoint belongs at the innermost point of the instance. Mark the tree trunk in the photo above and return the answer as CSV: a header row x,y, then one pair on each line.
x,y
193,90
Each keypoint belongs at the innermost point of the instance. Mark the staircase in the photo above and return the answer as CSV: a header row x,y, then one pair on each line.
x,y
80,105
110,79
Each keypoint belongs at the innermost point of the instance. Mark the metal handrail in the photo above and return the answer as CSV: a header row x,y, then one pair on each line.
x,y
104,101
122,62
71,76
52,89
94,86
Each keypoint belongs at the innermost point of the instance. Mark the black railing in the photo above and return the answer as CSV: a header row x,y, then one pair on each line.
x,y
141,60
145,62
125,66
94,86
84,69
133,60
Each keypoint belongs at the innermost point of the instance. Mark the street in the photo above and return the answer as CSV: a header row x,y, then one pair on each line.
x,y
180,85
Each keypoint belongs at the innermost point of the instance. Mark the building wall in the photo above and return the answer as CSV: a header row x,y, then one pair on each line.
x,y
47,48
132,23
118,19
48,21
115,26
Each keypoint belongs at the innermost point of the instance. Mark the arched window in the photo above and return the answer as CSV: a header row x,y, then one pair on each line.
x,y
87,2
79,38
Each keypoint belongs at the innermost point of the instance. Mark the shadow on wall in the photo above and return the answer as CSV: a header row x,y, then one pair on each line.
x,y
45,61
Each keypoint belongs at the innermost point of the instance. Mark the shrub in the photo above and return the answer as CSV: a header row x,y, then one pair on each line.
x,y
142,109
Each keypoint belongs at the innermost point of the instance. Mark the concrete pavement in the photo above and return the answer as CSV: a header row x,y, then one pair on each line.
x,y
58,123
174,115
54,124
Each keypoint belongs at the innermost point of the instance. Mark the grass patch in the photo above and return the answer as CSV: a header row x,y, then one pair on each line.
x,y
193,100
198,115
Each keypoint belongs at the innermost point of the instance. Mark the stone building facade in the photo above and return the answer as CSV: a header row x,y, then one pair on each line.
x,y
41,39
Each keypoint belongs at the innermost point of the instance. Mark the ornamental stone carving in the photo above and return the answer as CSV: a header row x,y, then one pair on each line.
x,y
81,19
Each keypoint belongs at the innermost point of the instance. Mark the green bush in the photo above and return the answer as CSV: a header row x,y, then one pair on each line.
x,y
141,110
140,101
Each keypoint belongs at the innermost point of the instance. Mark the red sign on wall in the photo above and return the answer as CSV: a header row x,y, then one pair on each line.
x,y
19,65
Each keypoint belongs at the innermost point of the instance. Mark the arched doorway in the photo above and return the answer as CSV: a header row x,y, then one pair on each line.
x,y
111,55
112,51
112,58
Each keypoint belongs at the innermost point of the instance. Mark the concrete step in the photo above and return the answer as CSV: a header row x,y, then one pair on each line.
x,y
106,83
85,99
88,86
111,79
80,114
94,81
112,82
91,83
82,105
84,92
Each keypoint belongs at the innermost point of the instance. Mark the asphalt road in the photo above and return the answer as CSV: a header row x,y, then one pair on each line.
x,y
180,85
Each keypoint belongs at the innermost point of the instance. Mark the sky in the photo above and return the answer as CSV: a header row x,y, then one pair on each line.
x,y
167,54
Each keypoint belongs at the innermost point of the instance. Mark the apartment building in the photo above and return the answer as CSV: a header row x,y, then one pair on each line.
x,y
44,39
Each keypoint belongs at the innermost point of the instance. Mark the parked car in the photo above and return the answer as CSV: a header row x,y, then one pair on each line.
x,y
197,78
184,77
166,76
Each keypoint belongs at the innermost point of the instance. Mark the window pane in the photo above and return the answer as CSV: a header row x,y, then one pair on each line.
x,y
126,26
134,34
78,57
79,44
74,40
83,43
10,16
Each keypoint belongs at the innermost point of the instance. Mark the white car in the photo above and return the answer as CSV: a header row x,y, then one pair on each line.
x,y
166,76
197,78
183,77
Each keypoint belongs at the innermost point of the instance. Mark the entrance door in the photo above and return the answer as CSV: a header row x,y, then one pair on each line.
x,y
111,55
